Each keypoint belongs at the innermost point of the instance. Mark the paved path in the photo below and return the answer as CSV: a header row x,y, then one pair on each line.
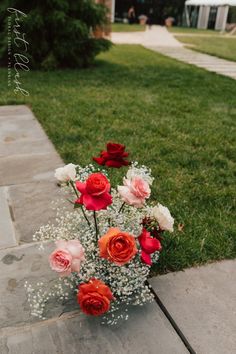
x,y
158,36
194,310
202,301
205,61
160,40
27,184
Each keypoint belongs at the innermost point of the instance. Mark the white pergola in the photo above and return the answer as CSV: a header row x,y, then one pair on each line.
x,y
204,11
210,2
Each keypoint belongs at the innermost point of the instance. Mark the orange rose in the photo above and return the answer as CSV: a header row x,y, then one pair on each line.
x,y
118,247
94,297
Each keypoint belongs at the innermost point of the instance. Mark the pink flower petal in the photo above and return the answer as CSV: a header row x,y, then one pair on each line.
x,y
75,266
129,197
61,244
75,248
65,274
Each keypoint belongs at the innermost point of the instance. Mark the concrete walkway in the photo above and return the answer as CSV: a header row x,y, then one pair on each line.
x,y
194,311
160,40
157,35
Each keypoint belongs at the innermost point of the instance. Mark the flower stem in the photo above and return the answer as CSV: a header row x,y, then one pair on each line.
x,y
121,208
85,216
75,190
96,224
82,208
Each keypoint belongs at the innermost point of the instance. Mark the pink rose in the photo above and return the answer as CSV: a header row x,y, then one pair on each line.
x,y
135,191
67,257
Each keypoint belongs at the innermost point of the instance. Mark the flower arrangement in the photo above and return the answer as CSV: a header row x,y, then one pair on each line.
x,y
105,246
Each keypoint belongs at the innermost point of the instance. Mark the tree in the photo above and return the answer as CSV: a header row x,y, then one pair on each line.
x,y
59,32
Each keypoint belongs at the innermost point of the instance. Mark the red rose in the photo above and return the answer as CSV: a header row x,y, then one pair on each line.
x,y
114,156
148,245
94,192
94,297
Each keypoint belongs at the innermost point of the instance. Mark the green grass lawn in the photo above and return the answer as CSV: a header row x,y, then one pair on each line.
x,y
177,119
220,47
190,30
125,27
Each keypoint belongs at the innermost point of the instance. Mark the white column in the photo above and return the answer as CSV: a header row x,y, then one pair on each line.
x,y
113,6
187,15
221,18
203,17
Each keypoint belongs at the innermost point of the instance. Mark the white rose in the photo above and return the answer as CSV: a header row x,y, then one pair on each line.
x,y
66,173
163,216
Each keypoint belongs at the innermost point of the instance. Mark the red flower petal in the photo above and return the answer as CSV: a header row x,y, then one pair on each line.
x,y
114,156
99,160
97,203
80,186
114,163
148,245
146,258
79,200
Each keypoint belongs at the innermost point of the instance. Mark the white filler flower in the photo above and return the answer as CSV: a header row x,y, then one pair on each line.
x,y
66,173
163,216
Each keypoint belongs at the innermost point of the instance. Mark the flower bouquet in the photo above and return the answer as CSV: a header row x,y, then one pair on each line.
x,y
105,245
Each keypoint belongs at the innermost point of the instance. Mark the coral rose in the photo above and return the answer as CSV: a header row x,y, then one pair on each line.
x,y
148,245
117,246
94,192
114,156
135,191
67,257
94,297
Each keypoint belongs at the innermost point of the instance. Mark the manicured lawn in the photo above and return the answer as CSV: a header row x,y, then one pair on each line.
x,y
125,27
177,119
220,47
192,30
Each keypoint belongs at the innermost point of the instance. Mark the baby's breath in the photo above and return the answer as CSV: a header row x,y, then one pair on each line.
x,y
127,282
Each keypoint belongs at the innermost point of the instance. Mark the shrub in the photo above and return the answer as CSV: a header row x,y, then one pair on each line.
x,y
59,32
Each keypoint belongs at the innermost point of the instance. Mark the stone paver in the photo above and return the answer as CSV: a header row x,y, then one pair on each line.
x,y
205,61
18,169
202,301
160,40
21,134
19,264
147,331
27,184
7,231
32,206
12,110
